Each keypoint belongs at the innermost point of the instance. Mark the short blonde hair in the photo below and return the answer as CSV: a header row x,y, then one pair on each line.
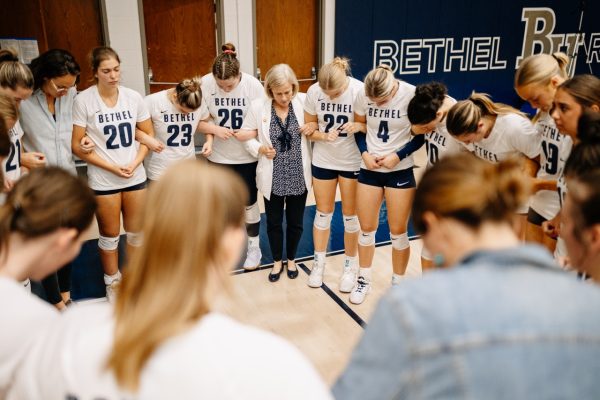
x,y
279,75
379,82
334,75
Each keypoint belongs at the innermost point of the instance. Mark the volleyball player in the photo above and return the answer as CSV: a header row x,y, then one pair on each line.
x,y
495,132
329,105
175,116
386,170
427,112
536,81
110,114
228,93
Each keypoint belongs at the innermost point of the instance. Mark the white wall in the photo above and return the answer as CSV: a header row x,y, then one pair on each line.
x,y
328,23
123,28
238,25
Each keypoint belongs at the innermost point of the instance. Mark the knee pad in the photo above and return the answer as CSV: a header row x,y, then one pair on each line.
x,y
253,214
366,238
322,220
351,224
108,243
135,239
400,242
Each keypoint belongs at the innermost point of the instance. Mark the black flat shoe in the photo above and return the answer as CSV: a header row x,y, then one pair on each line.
x,y
292,273
274,276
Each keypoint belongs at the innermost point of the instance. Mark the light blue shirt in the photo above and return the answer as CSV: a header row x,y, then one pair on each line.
x,y
45,135
501,325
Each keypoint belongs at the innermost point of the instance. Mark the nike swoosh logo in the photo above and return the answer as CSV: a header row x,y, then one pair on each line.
x,y
402,184
163,112
356,173
348,219
321,99
365,234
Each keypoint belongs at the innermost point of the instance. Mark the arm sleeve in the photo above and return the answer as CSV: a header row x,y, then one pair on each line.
x,y
415,143
361,141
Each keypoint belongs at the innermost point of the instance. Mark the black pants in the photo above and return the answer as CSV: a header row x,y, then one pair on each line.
x,y
57,283
294,215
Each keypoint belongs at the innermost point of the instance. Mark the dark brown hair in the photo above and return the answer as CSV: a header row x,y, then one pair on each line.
x,y
226,64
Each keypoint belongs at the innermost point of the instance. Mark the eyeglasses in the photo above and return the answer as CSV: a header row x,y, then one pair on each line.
x,y
60,89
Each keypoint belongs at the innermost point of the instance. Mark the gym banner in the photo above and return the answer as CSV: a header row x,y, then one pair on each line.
x,y
468,45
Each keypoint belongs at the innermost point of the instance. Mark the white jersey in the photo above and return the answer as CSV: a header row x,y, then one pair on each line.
x,y
217,358
388,127
561,247
12,164
512,135
112,129
556,148
342,154
23,318
174,129
229,109
439,143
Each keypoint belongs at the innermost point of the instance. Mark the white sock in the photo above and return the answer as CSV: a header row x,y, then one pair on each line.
x,y
352,260
109,279
253,241
319,257
397,278
365,273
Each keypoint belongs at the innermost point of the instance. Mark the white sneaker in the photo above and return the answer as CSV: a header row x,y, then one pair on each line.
x,y
253,257
361,289
111,290
315,278
397,280
348,279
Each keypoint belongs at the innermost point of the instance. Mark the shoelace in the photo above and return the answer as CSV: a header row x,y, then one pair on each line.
x,y
361,284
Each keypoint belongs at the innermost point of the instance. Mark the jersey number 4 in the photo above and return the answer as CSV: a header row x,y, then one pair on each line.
x,y
383,132
125,135
186,137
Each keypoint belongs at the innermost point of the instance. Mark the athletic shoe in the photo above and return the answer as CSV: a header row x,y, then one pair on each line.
x,y
315,278
111,290
361,289
397,280
253,257
348,279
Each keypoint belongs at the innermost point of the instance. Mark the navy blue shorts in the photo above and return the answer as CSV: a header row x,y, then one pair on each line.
x,y
328,174
535,218
248,174
139,186
402,179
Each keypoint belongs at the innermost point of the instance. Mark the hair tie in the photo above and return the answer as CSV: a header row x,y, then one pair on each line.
x,y
228,51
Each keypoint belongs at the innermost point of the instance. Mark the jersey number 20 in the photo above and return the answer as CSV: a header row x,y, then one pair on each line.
x,y
125,135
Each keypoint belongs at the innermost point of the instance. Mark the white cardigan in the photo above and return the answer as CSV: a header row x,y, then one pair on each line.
x,y
259,118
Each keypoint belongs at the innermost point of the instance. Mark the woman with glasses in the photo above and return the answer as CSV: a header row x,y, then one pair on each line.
x,y
47,121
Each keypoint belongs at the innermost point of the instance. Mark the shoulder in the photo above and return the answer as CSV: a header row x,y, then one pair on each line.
x,y
251,81
86,95
130,93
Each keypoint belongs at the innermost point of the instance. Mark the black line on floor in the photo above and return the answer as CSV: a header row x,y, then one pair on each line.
x,y
338,300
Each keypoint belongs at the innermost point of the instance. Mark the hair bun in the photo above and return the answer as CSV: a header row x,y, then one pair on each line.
x,y
229,48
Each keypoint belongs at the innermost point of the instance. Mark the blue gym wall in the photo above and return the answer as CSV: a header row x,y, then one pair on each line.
x,y
360,23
